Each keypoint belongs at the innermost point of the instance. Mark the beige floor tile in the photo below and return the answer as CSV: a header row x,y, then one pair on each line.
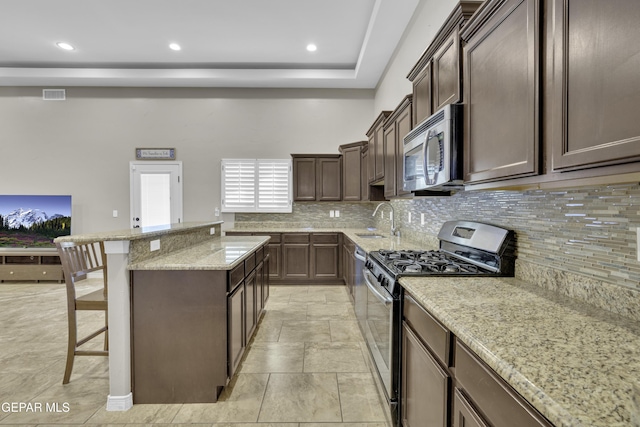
x,y
345,331
343,425
334,311
305,331
73,403
239,402
334,357
268,357
141,414
301,398
285,311
359,398
268,331
33,350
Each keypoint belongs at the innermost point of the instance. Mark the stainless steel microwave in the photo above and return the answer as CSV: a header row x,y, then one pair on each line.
x,y
433,152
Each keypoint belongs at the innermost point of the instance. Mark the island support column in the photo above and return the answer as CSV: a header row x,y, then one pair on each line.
x,y
120,396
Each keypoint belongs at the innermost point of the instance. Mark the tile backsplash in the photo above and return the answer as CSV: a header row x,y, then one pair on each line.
x,y
581,242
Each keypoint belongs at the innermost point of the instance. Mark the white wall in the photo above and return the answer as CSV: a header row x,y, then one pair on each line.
x,y
425,23
83,146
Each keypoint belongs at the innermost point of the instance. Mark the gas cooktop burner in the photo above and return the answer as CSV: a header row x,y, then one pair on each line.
x,y
431,262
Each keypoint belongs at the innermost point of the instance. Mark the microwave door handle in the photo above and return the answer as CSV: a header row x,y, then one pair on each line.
x,y
425,152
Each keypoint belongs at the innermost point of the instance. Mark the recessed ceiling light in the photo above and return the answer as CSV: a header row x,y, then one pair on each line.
x,y
65,46
312,47
174,46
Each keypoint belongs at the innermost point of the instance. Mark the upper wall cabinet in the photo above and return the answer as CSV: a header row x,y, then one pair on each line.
x,y
594,82
397,125
352,172
376,148
501,59
317,177
436,77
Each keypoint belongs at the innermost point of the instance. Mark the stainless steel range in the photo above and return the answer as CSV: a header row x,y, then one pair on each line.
x,y
466,249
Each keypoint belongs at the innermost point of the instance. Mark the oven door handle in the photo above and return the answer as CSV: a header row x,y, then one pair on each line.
x,y
372,288
359,256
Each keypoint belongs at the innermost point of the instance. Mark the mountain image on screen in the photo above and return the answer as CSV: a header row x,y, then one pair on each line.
x,y
32,227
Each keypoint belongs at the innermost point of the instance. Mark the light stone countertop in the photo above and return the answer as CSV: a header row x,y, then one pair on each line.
x,y
135,233
222,253
576,364
355,234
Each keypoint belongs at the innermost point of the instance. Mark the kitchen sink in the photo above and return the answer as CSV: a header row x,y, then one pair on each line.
x,y
370,236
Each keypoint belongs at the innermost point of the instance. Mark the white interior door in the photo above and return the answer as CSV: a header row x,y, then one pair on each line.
x,y
156,193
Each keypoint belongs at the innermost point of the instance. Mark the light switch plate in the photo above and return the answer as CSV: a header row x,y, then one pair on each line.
x,y
332,214
212,231
155,245
409,219
115,213
337,214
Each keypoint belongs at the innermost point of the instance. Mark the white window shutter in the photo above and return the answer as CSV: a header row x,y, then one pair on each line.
x,y
250,185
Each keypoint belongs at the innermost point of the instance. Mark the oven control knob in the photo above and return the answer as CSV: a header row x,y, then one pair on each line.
x,y
385,282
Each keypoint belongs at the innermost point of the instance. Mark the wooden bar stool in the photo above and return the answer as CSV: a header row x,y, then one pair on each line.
x,y
77,261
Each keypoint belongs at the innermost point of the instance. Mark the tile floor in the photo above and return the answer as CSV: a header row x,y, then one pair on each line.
x,y
305,367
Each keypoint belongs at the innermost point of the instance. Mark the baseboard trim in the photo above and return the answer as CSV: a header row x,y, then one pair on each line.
x,y
120,403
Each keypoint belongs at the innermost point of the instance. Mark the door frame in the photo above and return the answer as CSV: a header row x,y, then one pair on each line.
x,y
177,198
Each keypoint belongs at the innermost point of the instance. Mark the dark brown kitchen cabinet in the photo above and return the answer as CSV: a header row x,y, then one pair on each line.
x,y
376,148
397,125
464,415
325,256
236,327
251,314
490,395
274,249
352,172
501,77
437,75
426,377
594,83
296,250
317,177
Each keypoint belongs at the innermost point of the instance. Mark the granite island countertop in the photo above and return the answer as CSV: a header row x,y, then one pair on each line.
x,y
222,253
574,363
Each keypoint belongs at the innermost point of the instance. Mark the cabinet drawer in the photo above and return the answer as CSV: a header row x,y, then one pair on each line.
x,y
434,335
275,237
250,263
295,238
30,272
236,276
259,254
499,403
325,238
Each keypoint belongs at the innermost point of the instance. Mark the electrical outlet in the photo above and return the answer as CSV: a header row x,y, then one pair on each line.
x,y
638,243
409,218
332,214
212,231
155,245
216,211
115,213
337,214
422,219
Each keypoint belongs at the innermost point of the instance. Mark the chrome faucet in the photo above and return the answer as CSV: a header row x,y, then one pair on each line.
x,y
394,231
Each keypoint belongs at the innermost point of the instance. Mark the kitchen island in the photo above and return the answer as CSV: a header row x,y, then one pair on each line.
x,y
172,261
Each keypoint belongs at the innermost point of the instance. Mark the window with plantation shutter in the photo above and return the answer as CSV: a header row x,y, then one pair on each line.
x,y
255,185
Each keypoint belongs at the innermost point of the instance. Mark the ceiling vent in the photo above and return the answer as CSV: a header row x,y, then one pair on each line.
x,y
54,94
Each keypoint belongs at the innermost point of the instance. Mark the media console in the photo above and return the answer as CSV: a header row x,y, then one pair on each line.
x,y
30,265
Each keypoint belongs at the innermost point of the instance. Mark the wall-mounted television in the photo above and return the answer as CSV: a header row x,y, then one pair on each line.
x,y
32,222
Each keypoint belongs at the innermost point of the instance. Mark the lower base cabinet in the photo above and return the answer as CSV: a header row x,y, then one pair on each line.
x,y
425,385
302,258
464,415
190,328
495,402
445,384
